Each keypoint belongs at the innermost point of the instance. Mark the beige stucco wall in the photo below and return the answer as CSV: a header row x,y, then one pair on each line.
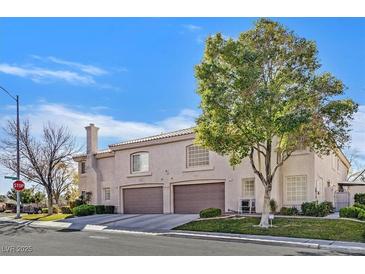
x,y
168,167
326,170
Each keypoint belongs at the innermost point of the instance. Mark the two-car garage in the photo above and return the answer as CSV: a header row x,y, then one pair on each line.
x,y
187,198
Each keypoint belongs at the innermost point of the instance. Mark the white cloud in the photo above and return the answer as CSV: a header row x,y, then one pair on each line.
x,y
58,69
37,74
191,27
89,69
110,128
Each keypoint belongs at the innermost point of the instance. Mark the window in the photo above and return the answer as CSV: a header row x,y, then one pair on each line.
x,y
107,194
248,188
338,164
83,167
140,162
196,156
296,189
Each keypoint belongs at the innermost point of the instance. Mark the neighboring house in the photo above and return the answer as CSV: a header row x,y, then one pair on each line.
x,y
167,173
355,183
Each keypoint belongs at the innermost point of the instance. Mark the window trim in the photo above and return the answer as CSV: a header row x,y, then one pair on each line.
x,y
132,166
197,167
295,203
243,181
105,199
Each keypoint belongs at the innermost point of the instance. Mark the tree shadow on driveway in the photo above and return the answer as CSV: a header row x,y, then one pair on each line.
x,y
13,229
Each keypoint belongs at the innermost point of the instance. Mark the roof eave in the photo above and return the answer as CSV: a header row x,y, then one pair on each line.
x,y
160,141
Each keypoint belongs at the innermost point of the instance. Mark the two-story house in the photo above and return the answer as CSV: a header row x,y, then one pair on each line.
x,y
168,173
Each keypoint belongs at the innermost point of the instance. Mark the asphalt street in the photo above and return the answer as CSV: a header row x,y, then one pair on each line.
x,y
18,240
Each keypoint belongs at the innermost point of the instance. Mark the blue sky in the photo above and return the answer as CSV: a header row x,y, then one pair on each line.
x,y
134,77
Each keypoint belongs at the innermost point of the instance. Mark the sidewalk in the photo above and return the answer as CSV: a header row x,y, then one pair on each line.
x,y
353,247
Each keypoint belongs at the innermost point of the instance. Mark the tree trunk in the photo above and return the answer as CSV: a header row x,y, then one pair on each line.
x,y
265,210
56,199
50,204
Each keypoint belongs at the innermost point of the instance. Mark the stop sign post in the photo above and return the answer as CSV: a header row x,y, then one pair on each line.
x,y
18,185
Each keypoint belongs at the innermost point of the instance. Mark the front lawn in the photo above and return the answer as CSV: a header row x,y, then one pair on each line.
x,y
338,230
45,217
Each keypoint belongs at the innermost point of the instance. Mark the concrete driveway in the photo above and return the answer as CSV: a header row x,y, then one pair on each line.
x,y
133,222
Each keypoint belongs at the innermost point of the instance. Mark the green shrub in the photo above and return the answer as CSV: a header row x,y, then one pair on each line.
x,y
360,198
324,209
273,205
109,209
315,209
359,206
66,210
309,208
210,212
45,210
350,212
290,211
361,215
84,210
100,209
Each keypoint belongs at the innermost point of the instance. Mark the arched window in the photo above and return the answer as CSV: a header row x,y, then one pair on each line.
x,y
140,162
196,156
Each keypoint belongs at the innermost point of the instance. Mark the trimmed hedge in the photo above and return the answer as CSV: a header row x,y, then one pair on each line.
x,y
84,210
361,215
359,206
210,212
66,210
109,209
359,198
315,209
100,209
351,212
289,211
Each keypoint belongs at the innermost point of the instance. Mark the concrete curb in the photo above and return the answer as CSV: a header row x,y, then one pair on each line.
x,y
242,239
293,242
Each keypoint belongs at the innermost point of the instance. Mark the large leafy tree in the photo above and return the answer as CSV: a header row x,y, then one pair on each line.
x,y
26,197
262,94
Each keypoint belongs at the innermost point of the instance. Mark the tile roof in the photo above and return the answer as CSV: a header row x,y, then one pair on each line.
x,y
176,133
157,137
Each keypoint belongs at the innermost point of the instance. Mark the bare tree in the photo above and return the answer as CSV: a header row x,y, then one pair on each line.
x,y
40,157
62,180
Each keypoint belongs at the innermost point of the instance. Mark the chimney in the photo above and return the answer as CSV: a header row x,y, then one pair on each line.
x,y
91,139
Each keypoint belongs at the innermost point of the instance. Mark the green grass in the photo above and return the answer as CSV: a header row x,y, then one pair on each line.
x,y
338,230
45,217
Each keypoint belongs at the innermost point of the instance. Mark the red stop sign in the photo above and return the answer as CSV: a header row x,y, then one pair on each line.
x,y
18,185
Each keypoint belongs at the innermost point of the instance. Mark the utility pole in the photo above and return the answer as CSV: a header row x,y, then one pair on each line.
x,y
16,98
17,157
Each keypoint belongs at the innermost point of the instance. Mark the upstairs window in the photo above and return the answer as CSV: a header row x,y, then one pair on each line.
x,y
140,162
248,188
196,156
107,194
83,167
